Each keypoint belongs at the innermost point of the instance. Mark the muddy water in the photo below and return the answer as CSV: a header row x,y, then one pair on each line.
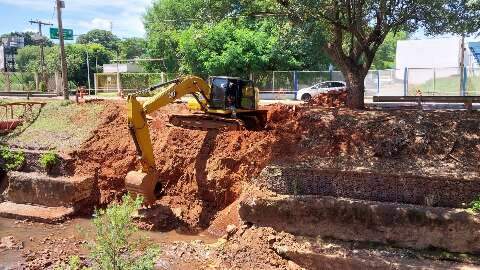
x,y
32,234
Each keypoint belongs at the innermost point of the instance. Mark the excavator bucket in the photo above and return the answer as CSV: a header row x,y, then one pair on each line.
x,y
139,183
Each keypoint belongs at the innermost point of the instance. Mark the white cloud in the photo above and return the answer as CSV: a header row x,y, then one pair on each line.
x,y
96,23
84,15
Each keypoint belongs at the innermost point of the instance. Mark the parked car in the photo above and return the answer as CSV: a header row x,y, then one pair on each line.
x,y
308,93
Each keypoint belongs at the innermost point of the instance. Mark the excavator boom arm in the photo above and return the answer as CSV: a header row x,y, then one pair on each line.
x,y
137,112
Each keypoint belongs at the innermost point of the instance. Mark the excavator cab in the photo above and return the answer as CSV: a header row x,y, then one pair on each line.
x,y
232,93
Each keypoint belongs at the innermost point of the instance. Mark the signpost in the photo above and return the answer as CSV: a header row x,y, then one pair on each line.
x,y
67,33
3,66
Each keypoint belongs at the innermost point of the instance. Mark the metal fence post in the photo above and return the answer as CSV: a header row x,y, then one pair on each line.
x,y
464,82
434,81
378,82
405,82
273,84
95,83
295,82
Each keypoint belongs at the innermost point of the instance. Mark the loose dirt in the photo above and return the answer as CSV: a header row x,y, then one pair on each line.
x,y
204,171
330,99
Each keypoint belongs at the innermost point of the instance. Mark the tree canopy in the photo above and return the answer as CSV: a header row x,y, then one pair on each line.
x,y
131,48
103,37
385,56
28,59
227,37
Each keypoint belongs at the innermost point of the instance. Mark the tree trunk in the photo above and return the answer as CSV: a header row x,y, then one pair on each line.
x,y
356,90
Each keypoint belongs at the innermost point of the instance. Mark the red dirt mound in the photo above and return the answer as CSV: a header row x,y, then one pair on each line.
x,y
330,99
205,170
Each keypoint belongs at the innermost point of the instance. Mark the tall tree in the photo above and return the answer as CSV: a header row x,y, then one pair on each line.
x,y
356,29
385,56
132,48
103,37
168,23
233,48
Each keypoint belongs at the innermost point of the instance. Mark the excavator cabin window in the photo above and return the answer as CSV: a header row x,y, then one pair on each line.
x,y
227,92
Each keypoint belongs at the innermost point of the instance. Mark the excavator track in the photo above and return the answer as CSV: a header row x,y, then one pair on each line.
x,y
206,122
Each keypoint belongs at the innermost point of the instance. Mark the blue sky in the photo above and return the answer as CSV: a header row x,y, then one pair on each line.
x,y
79,15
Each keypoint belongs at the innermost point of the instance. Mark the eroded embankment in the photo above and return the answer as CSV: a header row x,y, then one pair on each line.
x,y
205,171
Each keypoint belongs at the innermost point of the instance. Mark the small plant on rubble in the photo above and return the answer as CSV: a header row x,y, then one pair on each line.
x,y
11,160
116,245
475,205
49,160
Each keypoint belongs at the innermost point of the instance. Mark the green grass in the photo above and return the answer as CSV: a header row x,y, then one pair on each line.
x,y
449,86
107,94
60,125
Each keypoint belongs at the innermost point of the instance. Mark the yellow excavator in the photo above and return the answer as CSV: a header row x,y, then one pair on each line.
x,y
223,103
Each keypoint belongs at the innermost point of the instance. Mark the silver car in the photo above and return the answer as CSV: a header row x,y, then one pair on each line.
x,y
306,94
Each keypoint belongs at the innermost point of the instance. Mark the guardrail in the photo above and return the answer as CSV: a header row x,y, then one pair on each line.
x,y
27,94
467,100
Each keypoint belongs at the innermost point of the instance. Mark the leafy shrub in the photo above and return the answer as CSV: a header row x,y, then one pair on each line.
x,y
72,85
115,246
42,86
475,205
13,160
48,160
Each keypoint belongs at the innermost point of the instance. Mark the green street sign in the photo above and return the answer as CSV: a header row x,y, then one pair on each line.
x,y
67,33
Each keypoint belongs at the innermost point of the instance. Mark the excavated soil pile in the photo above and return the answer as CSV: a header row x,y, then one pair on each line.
x,y
330,99
205,171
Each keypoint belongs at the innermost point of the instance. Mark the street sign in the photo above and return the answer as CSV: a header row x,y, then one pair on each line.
x,y
67,33
2,59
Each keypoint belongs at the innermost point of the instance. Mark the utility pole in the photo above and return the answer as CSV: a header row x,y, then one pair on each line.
x,y
42,44
60,5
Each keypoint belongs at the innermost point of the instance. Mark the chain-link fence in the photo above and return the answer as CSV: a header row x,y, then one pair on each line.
x,y
17,81
29,81
129,82
278,85
442,81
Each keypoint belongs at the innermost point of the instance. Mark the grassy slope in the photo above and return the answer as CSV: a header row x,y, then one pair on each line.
x,y
59,125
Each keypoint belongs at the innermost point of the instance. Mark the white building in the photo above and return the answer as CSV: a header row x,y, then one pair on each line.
x,y
421,57
122,68
439,55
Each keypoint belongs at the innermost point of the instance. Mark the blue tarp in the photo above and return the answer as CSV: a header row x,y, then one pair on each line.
x,y
475,49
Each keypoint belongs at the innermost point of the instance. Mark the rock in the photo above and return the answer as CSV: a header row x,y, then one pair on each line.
x,y
178,212
231,229
293,266
271,240
162,264
9,242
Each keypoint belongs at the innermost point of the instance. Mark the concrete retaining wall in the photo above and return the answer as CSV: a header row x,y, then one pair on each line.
x,y
400,225
430,191
34,188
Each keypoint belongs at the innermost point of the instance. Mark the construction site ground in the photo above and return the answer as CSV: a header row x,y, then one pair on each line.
x,y
206,174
